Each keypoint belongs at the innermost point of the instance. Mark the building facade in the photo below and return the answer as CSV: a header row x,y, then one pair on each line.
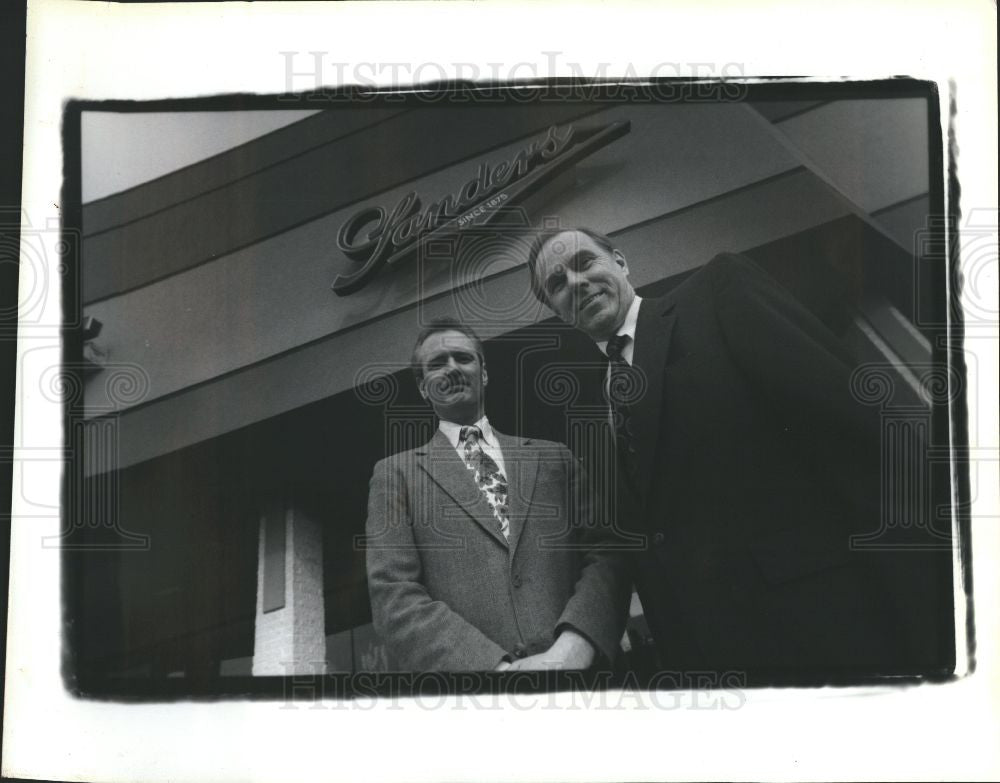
x,y
236,396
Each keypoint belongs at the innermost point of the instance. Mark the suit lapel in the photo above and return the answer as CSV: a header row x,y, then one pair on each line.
x,y
521,463
652,344
441,462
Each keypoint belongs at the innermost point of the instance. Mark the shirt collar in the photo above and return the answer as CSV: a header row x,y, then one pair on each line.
x,y
628,326
453,431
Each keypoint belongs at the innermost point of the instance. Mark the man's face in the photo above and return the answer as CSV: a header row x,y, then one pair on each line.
x,y
454,376
585,285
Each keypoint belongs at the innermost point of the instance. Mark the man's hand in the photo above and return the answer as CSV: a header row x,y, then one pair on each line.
x,y
570,651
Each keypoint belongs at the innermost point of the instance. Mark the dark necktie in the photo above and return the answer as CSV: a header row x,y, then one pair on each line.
x,y
622,392
489,479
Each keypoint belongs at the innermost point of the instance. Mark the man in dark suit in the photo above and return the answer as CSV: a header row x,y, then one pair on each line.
x,y
481,553
748,466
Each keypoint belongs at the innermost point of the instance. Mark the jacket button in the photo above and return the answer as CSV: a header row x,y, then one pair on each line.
x,y
520,651
658,539
516,581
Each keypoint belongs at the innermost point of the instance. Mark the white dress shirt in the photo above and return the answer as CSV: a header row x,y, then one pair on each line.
x,y
627,327
490,444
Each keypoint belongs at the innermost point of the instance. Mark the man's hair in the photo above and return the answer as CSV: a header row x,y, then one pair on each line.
x,y
603,241
445,324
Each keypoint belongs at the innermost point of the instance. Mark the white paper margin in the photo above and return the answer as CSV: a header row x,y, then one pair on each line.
x,y
144,51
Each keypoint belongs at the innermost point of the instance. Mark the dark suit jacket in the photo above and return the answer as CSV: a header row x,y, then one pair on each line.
x,y
754,465
449,593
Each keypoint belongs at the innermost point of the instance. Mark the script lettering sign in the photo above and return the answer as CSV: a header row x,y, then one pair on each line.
x,y
376,237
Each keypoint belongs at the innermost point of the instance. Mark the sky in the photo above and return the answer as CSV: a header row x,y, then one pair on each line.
x,y
121,150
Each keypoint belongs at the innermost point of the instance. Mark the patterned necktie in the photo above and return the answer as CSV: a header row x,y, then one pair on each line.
x,y
489,479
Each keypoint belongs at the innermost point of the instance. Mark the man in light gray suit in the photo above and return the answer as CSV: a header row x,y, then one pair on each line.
x,y
481,551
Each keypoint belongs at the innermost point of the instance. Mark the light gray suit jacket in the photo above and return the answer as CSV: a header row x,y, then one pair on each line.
x,y
448,593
